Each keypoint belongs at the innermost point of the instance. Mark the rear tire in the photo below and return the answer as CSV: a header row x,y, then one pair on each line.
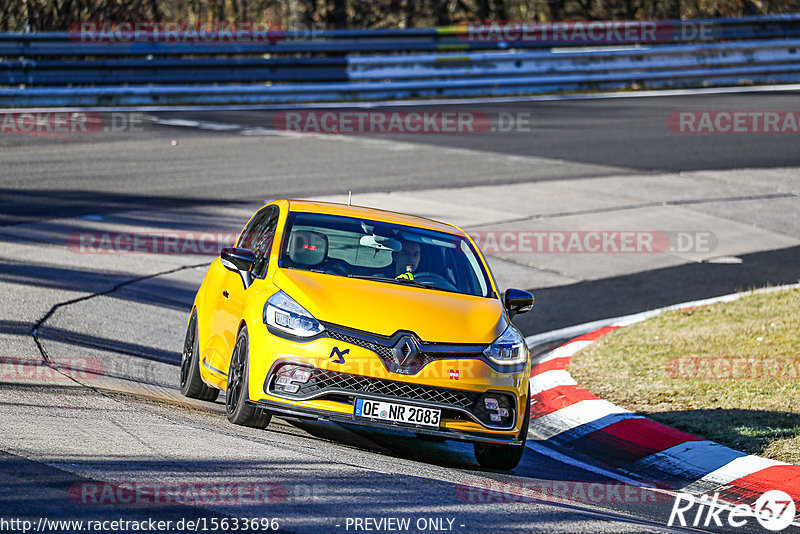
x,y
504,457
238,391
192,385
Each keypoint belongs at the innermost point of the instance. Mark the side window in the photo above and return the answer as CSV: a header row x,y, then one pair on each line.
x,y
258,237
249,233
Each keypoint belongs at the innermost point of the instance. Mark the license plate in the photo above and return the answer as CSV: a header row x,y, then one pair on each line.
x,y
398,413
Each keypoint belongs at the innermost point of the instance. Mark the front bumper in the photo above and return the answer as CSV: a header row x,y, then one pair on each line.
x,y
303,413
365,375
344,388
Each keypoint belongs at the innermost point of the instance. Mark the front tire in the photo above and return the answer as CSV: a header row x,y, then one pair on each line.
x,y
504,457
192,385
238,391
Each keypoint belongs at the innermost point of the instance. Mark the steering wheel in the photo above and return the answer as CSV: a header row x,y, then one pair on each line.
x,y
334,266
436,280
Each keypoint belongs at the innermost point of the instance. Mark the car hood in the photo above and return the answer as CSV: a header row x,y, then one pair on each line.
x,y
384,308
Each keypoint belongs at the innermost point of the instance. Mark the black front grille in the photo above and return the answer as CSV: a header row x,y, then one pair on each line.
x,y
452,355
326,380
332,384
411,367
383,348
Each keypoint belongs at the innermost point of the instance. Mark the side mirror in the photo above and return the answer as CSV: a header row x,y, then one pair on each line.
x,y
239,260
517,301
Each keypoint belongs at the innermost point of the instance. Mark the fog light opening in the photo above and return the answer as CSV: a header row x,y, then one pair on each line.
x,y
495,406
288,378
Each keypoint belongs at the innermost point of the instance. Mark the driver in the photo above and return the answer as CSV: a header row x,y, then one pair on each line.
x,y
406,260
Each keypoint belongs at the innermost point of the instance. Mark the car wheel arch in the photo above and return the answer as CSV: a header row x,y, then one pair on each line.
x,y
242,325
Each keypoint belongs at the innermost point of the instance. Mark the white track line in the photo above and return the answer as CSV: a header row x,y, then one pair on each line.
x,y
733,470
550,380
584,413
564,351
688,460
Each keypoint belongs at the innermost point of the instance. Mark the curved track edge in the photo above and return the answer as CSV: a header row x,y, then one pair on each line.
x,y
571,419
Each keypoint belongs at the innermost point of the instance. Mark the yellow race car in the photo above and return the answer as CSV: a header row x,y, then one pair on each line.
x,y
362,316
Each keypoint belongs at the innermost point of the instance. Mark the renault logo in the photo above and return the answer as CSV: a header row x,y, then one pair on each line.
x,y
405,349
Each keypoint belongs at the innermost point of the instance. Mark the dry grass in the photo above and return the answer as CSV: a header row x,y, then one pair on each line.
x,y
729,373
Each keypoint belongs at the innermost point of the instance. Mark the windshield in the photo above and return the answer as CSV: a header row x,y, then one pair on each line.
x,y
384,252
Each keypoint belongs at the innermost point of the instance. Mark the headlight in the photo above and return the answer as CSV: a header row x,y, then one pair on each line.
x,y
283,313
508,349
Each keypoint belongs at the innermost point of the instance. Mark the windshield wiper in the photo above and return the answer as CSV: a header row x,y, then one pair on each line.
x,y
401,281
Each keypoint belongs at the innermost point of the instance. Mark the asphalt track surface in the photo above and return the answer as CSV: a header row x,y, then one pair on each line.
x,y
129,311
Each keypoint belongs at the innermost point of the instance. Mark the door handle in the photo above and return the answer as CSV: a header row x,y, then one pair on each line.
x,y
225,294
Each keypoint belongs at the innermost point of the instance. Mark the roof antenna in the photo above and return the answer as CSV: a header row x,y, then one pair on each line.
x,y
349,198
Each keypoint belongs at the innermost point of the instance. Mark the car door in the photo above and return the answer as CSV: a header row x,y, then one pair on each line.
x,y
215,317
258,237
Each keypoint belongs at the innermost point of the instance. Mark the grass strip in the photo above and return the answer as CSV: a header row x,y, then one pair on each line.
x,y
728,372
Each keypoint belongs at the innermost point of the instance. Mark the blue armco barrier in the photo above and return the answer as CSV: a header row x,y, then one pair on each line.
x,y
597,60
138,71
55,69
311,92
